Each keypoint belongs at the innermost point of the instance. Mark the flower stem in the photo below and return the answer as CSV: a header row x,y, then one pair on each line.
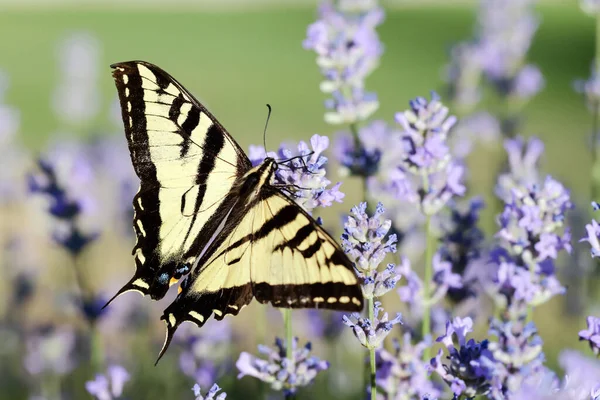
x,y
287,319
373,369
426,327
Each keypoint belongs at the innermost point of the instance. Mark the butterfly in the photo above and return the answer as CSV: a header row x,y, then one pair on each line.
x,y
206,218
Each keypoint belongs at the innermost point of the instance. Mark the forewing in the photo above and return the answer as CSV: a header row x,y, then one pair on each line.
x,y
187,164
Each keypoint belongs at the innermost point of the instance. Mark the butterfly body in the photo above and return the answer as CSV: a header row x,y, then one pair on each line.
x,y
205,217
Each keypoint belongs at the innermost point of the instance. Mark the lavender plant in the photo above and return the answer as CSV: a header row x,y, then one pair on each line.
x,y
364,241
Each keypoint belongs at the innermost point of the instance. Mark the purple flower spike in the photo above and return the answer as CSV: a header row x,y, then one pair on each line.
x,y
459,327
303,178
364,238
277,369
467,374
402,374
348,50
109,386
369,333
592,334
417,167
212,392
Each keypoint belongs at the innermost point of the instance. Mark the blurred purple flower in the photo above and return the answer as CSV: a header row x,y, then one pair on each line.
x,y
463,75
523,161
63,208
109,386
480,127
592,334
517,356
204,355
280,372
76,99
348,50
50,350
590,7
466,374
212,392
402,374
461,244
361,156
302,176
593,235
371,334
528,82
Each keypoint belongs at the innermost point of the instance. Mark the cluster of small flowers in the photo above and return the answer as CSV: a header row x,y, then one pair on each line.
x,y
348,50
467,373
364,241
461,246
280,372
402,374
517,357
531,233
503,35
425,173
109,386
302,173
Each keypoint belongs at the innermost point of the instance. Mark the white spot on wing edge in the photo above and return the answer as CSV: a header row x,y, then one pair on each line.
x,y
139,200
172,320
126,92
140,256
197,316
218,312
140,283
139,224
125,77
344,299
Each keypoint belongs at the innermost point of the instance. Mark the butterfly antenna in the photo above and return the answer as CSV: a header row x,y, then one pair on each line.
x,y
265,131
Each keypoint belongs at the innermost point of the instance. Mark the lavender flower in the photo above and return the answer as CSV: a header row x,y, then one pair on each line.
x,y
364,241
479,128
403,374
531,239
348,50
517,356
109,386
303,174
282,373
590,88
76,99
63,208
463,75
361,155
593,233
523,163
205,353
50,350
426,176
461,245
592,334
212,392
371,333
466,374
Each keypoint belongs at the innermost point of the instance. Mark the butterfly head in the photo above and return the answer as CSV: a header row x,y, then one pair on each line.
x,y
256,178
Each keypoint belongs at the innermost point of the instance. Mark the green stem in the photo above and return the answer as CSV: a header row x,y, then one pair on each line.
x,y
289,349
373,367
429,247
287,319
